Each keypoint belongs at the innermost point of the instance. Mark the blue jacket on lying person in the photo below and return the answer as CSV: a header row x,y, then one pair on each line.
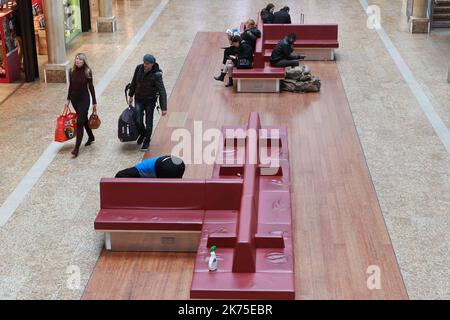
x,y
156,167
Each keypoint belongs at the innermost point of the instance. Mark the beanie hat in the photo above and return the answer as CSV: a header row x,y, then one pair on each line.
x,y
149,58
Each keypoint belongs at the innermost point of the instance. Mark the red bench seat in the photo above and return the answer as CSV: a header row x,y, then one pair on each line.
x,y
268,72
145,220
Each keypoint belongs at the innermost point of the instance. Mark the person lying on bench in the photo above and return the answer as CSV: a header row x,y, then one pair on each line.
x,y
239,54
267,13
282,16
282,54
251,33
156,167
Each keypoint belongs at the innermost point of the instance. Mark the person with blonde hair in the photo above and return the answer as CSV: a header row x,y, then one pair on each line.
x,y
251,33
81,83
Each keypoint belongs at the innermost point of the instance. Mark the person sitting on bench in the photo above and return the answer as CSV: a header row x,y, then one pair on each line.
x,y
239,54
156,167
282,16
251,33
267,13
282,54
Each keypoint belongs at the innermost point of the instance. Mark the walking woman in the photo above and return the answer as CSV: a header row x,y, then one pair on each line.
x,y
80,86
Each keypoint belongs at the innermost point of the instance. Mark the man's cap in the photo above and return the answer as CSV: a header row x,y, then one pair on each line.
x,y
149,58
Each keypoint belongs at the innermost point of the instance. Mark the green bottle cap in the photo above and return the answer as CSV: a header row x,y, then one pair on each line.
x,y
213,248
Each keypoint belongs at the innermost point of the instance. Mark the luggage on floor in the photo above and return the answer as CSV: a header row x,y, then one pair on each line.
x,y
127,125
291,85
66,125
299,79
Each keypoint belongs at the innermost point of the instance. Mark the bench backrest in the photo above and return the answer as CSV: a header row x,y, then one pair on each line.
x,y
245,250
258,55
303,31
186,194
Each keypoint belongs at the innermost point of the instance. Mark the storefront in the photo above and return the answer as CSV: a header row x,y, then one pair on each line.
x,y
72,19
27,25
76,20
9,51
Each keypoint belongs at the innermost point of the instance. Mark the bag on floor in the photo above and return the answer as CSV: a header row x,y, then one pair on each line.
x,y
94,120
128,130
291,85
300,73
66,125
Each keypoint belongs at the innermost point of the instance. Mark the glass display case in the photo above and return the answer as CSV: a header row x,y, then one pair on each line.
x,y
9,58
72,19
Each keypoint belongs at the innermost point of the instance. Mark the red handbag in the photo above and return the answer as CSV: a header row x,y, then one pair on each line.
x,y
66,125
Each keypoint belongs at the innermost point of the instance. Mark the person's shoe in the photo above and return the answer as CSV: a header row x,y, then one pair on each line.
x,y
221,77
140,140
89,142
145,146
230,82
75,152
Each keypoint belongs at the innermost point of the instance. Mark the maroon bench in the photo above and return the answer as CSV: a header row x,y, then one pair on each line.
x,y
263,77
161,214
255,249
244,209
317,42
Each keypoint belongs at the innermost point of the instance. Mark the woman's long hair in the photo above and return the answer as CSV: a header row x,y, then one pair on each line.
x,y
270,6
87,69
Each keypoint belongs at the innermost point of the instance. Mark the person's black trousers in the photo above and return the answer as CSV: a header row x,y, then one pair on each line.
x,y
229,51
81,106
286,63
147,106
128,173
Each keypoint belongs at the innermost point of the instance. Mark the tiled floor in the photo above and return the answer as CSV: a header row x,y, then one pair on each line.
x,y
52,230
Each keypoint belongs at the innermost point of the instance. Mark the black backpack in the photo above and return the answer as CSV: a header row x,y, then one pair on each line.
x,y
127,129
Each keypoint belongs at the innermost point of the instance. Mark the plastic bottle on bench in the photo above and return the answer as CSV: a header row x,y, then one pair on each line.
x,y
212,263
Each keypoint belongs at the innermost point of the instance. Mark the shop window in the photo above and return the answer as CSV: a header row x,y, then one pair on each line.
x,y
72,19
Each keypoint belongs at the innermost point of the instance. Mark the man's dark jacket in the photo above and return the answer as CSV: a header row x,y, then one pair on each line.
x,y
283,50
282,16
149,85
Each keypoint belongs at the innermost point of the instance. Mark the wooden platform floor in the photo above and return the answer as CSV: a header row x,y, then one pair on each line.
x,y
339,230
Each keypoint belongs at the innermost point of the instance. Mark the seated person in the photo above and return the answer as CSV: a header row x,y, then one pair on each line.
x,y
267,13
251,33
282,54
156,167
282,16
239,52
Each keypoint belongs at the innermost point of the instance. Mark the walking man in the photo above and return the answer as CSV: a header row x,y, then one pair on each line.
x,y
147,85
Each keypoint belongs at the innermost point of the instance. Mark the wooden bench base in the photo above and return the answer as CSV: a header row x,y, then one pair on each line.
x,y
160,240
258,85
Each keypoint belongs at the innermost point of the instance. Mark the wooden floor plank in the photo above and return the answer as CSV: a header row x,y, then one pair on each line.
x,y
339,230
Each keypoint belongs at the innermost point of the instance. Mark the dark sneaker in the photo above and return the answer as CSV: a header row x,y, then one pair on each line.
x,y
144,147
89,142
140,140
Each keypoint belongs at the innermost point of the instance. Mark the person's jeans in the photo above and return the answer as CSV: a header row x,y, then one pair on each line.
x,y
229,68
147,106
286,63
